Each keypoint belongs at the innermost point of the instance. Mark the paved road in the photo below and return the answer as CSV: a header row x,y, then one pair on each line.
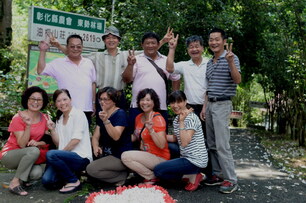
x,y
259,181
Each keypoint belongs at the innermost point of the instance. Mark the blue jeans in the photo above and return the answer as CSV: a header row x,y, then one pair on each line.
x,y
61,166
174,169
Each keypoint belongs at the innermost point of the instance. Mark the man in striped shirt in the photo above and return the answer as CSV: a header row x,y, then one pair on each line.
x,y
223,75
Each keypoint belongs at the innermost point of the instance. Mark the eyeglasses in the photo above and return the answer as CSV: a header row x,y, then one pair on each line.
x,y
32,99
104,100
75,47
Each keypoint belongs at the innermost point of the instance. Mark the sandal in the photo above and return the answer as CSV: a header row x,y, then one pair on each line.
x,y
18,190
70,188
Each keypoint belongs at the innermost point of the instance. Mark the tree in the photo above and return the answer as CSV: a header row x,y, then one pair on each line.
x,y
5,33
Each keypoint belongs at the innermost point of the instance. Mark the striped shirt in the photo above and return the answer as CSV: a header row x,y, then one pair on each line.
x,y
195,151
220,82
109,68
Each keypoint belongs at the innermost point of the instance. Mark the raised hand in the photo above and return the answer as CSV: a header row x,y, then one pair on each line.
x,y
184,114
131,58
25,117
53,41
173,42
149,123
229,55
168,36
103,115
50,123
43,46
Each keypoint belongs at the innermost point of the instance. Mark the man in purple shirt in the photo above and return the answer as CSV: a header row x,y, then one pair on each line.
x,y
75,73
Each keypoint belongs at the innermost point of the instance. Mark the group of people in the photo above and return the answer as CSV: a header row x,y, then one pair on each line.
x,y
126,139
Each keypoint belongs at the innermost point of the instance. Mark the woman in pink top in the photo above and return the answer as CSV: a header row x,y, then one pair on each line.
x,y
26,130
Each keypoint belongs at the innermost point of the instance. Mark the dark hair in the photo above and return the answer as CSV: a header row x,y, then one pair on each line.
x,y
150,35
142,94
223,35
55,95
194,38
28,92
112,93
74,36
177,96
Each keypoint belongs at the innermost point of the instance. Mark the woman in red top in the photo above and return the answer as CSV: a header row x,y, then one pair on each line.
x,y
150,130
26,130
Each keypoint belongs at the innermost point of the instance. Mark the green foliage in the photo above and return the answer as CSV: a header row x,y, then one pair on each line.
x,y
269,38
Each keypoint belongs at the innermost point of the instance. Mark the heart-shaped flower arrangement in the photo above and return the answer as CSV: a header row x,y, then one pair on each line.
x,y
135,194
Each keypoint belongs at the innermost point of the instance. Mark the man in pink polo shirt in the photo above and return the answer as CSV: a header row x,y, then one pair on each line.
x,y
75,73
144,74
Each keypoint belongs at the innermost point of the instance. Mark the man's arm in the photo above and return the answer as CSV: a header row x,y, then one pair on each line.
x,y
170,58
43,47
54,42
235,74
127,75
176,85
94,86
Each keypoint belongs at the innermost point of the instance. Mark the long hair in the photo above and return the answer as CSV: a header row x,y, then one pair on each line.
x,y
55,95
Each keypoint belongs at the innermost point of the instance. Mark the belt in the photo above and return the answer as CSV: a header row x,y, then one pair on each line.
x,y
215,99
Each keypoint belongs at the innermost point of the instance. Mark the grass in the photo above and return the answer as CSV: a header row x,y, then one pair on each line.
x,y
287,155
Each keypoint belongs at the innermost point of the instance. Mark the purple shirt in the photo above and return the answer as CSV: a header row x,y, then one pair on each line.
x,y
146,76
77,79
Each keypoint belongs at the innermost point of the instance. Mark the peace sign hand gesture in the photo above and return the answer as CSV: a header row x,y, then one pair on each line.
x,y
131,58
168,36
173,42
184,114
149,123
229,55
50,123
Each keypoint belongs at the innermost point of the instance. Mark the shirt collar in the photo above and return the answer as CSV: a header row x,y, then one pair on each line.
x,y
159,55
204,61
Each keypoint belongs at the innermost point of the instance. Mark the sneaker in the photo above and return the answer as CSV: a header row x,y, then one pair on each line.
x,y
228,187
214,180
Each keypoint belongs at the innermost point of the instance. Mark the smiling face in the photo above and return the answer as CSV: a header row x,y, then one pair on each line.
x,y
146,103
178,106
111,41
74,48
105,102
195,50
63,102
216,42
35,101
150,47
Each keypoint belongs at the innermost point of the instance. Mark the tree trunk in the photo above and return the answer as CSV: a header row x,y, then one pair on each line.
x,y
5,33
5,23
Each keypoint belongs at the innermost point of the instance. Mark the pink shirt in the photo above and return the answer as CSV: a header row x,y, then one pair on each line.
x,y
37,131
146,76
77,79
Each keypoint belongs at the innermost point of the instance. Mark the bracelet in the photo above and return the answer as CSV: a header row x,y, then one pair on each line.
x,y
182,128
106,122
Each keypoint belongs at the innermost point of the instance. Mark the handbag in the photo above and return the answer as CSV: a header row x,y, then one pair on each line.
x,y
42,156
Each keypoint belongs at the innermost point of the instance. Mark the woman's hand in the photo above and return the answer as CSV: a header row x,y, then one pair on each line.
x,y
50,123
149,123
32,143
184,114
97,151
103,116
25,118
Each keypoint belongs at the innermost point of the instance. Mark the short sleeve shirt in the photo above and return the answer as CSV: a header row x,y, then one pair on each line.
x,y
159,124
108,144
37,131
195,83
77,79
195,151
146,76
